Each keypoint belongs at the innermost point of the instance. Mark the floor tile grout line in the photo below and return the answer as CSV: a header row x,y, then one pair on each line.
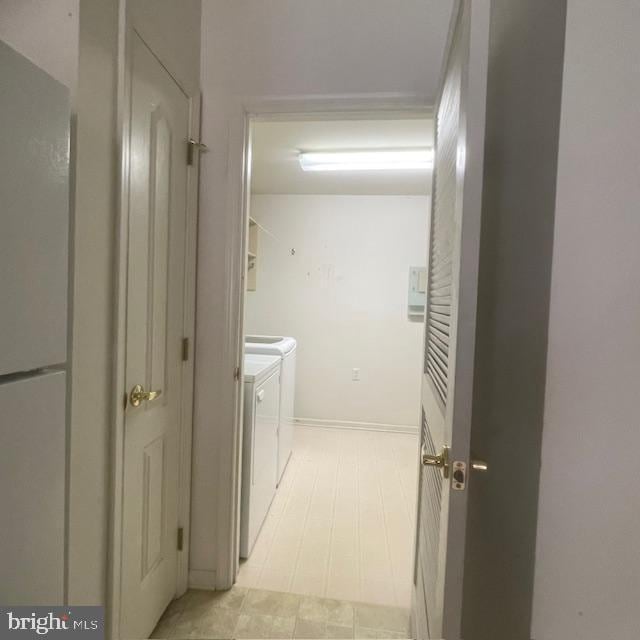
x,y
304,529
386,535
358,532
333,520
398,467
405,501
296,470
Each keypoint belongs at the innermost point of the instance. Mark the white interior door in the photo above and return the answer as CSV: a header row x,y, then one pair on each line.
x,y
154,328
450,327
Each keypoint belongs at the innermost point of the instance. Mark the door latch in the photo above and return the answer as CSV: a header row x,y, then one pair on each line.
x,y
193,147
459,476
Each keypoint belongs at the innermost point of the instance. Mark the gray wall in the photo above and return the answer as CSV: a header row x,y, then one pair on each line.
x,y
523,112
588,555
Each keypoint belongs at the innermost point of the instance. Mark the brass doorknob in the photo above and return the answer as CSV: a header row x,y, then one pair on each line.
x,y
138,394
441,461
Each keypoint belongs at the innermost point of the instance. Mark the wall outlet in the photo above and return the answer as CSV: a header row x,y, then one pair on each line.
x,y
355,374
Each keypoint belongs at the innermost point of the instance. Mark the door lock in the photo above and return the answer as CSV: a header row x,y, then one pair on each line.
x,y
138,394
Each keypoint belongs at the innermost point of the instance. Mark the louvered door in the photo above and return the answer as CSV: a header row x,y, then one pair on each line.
x,y
438,319
450,326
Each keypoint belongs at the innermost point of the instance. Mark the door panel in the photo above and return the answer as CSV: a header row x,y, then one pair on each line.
x,y
153,503
157,294
155,304
450,326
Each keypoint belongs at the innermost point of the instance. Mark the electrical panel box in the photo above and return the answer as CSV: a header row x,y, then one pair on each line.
x,y
417,298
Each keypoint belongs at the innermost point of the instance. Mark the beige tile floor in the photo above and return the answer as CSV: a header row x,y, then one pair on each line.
x,y
256,613
342,523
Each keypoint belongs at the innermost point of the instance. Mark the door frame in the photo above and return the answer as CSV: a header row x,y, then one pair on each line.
x,y
265,109
126,33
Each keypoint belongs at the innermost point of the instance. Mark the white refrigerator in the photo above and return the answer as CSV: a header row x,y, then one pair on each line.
x,y
34,282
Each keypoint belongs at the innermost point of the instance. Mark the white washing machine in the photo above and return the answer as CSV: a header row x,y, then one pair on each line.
x,y
259,444
284,347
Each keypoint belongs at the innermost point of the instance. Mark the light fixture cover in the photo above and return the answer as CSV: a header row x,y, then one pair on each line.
x,y
367,160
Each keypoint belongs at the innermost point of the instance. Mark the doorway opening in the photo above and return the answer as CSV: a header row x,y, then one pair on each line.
x,y
335,293
334,303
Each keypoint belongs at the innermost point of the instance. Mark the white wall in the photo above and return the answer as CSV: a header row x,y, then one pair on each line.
x,y
172,31
277,49
588,559
95,154
45,32
288,47
176,39
343,296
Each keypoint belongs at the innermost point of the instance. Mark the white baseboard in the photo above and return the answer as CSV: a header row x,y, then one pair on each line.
x,y
202,580
363,426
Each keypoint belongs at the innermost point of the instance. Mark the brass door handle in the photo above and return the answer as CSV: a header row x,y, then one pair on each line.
x,y
441,461
138,394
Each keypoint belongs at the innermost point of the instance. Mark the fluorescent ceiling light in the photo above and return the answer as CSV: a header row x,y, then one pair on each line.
x,y
371,160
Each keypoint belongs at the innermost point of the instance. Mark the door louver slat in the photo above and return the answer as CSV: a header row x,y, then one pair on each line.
x,y
440,271
439,360
438,381
429,532
440,349
442,326
436,334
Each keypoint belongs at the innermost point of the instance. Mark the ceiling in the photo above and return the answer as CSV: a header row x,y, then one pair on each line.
x,y
275,146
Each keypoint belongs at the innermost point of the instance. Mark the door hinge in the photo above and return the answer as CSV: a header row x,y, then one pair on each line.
x,y
194,146
236,374
180,538
185,349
